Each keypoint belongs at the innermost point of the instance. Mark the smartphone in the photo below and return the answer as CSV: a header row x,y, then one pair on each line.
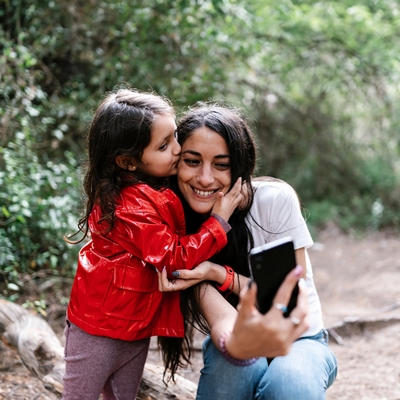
x,y
270,263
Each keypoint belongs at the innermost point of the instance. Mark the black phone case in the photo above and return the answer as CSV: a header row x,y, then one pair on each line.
x,y
270,263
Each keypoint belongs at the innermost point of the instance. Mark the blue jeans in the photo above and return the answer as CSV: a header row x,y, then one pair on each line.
x,y
304,374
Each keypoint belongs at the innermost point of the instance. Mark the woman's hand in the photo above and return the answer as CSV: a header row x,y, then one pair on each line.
x,y
226,204
269,335
206,271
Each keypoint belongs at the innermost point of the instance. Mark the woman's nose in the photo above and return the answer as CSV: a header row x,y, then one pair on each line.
x,y
205,177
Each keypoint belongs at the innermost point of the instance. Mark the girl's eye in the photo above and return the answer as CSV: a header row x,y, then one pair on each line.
x,y
163,147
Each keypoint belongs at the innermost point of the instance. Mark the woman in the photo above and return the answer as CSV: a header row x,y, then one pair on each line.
x,y
217,148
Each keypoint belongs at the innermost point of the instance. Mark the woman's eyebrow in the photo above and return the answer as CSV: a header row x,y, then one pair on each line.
x,y
223,156
196,153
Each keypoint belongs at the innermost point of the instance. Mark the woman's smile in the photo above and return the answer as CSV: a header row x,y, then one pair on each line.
x,y
204,169
203,193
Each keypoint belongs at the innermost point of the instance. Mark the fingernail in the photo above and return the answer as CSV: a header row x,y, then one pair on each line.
x,y
298,271
250,283
175,273
302,282
164,267
156,269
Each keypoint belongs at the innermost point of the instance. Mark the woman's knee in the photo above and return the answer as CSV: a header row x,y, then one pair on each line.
x,y
221,379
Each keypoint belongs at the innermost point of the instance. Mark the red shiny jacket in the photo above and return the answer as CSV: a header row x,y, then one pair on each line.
x,y
115,291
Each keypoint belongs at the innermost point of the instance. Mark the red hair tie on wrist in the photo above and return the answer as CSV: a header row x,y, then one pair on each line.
x,y
230,274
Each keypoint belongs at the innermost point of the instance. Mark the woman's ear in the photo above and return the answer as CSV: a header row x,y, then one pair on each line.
x,y
125,162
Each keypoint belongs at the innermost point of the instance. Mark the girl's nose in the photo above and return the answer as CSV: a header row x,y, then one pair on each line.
x,y
177,149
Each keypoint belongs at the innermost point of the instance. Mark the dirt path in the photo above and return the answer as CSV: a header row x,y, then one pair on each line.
x,y
361,277
355,277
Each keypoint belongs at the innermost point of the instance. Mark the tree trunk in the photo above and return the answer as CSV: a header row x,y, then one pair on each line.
x,y
42,353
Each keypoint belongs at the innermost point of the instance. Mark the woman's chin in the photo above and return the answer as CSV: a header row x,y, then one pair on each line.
x,y
201,208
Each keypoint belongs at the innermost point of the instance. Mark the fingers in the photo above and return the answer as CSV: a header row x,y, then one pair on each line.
x,y
167,285
226,204
285,290
247,300
234,192
237,187
160,283
182,284
159,279
299,317
186,274
163,282
245,197
301,308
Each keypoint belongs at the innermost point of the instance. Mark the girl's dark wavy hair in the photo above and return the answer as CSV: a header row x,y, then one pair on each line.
x,y
229,124
121,126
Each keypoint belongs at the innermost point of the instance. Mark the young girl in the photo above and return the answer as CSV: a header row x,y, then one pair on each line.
x,y
137,226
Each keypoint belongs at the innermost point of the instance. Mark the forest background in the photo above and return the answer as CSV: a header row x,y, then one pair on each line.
x,y
318,81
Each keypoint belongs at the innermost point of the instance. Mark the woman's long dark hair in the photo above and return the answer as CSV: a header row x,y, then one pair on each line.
x,y
242,150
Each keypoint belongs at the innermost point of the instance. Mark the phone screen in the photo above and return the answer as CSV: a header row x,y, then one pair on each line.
x,y
270,263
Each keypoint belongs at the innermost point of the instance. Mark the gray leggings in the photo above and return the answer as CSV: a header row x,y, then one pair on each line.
x,y
100,365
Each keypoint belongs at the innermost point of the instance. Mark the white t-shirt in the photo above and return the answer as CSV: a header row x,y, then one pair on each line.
x,y
276,209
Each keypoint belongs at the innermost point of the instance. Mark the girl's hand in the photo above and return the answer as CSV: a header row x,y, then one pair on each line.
x,y
227,203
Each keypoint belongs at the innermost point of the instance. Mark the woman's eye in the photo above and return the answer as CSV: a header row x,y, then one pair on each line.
x,y
189,161
223,165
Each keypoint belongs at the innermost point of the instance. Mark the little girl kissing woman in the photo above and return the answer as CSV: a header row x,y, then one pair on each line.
x,y
136,226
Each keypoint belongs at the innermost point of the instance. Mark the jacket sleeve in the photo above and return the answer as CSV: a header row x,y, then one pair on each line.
x,y
142,232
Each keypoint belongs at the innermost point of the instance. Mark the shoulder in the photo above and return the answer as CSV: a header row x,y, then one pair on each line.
x,y
276,212
141,202
268,189
141,194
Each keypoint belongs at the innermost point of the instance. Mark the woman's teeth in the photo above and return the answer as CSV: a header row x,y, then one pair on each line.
x,y
203,193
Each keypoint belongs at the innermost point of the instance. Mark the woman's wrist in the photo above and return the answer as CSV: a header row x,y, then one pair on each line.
x,y
217,274
225,343
229,282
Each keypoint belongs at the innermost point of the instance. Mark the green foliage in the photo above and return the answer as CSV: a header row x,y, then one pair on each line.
x,y
320,88
38,206
318,80
39,306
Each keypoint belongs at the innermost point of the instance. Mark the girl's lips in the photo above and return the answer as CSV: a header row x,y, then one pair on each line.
x,y
204,193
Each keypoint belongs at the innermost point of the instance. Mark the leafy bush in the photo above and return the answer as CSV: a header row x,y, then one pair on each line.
x,y
318,79
38,206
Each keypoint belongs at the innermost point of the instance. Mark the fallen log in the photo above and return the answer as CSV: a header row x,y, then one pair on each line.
x,y
42,353
351,326
37,344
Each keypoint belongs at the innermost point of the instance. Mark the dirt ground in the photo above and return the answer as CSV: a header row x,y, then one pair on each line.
x,y
357,277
